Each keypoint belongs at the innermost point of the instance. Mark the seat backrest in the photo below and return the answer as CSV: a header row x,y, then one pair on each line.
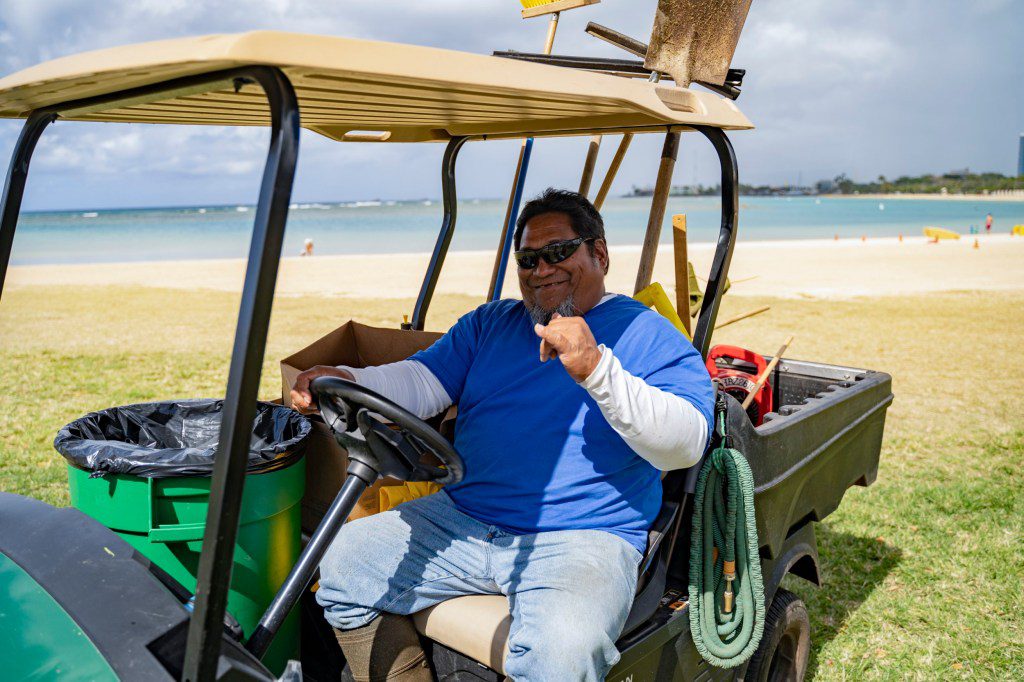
x,y
660,529
650,585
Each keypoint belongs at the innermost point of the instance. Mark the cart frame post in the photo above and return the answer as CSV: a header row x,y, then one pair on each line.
x,y
214,576
205,628
726,238
449,197
14,184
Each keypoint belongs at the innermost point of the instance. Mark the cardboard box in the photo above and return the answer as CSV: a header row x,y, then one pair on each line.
x,y
355,345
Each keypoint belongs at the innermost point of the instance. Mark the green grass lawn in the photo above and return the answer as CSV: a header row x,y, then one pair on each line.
x,y
922,571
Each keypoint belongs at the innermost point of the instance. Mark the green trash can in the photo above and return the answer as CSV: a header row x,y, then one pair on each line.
x,y
165,517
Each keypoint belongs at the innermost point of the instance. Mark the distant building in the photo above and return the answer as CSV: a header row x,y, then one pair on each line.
x,y
1020,156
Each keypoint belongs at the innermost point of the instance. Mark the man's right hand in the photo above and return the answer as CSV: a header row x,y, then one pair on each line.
x,y
302,399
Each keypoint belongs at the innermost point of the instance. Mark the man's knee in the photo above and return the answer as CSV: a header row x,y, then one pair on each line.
x,y
370,545
349,585
570,650
343,557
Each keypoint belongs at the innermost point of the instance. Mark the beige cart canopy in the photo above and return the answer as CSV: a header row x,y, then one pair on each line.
x,y
346,87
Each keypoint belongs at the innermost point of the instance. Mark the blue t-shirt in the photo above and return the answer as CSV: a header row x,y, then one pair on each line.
x,y
539,454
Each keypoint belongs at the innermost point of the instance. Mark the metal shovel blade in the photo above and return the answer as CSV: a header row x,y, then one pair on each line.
x,y
694,40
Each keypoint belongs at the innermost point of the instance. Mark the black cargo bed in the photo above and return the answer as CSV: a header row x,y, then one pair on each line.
x,y
824,437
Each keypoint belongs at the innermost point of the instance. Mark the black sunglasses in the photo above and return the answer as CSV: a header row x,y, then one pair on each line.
x,y
528,259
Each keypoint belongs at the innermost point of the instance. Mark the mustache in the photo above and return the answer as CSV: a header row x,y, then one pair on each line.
x,y
541,315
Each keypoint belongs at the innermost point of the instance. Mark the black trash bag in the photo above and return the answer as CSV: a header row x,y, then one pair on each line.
x,y
176,439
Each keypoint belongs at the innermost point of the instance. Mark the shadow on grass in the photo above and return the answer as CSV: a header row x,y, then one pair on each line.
x,y
852,567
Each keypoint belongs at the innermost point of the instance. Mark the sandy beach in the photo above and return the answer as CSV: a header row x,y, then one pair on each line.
x,y
830,269
1000,196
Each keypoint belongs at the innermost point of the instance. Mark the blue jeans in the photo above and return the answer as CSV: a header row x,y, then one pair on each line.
x,y
569,591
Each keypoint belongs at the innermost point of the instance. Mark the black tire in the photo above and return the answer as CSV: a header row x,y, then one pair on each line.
x,y
785,644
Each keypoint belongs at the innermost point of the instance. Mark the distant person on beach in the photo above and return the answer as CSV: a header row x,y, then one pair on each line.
x,y
988,223
307,247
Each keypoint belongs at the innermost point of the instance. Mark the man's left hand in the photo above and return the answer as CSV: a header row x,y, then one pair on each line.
x,y
570,340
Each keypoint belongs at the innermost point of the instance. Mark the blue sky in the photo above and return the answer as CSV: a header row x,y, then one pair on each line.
x,y
862,87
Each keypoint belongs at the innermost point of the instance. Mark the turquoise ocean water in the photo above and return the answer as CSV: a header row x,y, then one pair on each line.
x,y
401,227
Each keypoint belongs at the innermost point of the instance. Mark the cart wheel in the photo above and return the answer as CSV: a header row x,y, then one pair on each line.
x,y
786,643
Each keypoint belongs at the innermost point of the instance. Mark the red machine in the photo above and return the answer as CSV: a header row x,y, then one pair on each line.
x,y
736,370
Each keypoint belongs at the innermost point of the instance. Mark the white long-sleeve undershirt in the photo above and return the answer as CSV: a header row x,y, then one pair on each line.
x,y
407,383
666,430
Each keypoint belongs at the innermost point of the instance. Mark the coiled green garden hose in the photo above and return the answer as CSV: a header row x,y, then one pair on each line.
x,y
724,537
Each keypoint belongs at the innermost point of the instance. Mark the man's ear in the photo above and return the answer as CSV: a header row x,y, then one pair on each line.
x,y
601,254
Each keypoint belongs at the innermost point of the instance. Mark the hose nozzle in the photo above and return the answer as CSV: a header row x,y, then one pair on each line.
x,y
729,573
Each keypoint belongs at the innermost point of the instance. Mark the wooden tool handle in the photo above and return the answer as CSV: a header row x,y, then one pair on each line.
x,y
743,316
682,273
613,169
766,373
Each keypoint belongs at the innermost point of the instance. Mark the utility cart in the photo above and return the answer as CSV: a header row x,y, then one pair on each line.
x,y
88,603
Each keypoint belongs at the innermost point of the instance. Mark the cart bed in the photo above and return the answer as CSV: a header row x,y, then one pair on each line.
x,y
825,436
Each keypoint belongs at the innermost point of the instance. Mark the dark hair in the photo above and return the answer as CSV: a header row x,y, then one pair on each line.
x,y
585,220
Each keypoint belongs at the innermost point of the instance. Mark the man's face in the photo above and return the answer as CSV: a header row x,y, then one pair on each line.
x,y
578,280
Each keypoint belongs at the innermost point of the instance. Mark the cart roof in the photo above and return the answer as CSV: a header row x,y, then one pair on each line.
x,y
409,93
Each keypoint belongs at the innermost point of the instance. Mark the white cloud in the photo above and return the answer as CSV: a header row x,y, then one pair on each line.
x,y
155,150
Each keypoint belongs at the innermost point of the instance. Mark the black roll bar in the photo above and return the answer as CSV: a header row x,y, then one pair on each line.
x,y
205,629
214,575
681,484
444,238
14,184
726,238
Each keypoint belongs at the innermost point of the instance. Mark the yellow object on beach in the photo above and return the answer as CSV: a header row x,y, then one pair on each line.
x,y
654,296
391,496
1018,231
940,233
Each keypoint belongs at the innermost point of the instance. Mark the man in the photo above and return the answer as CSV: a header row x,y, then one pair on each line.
x,y
570,403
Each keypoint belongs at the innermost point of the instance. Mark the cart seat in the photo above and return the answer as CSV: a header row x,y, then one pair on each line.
x,y
478,625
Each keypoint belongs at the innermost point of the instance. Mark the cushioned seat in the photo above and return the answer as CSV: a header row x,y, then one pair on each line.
x,y
476,626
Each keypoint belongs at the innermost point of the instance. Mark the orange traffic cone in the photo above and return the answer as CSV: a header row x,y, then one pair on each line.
x,y
901,238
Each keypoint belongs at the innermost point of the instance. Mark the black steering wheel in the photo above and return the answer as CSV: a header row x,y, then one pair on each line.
x,y
394,449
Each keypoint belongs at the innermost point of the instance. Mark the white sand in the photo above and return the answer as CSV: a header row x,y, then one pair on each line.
x,y
1007,195
804,268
